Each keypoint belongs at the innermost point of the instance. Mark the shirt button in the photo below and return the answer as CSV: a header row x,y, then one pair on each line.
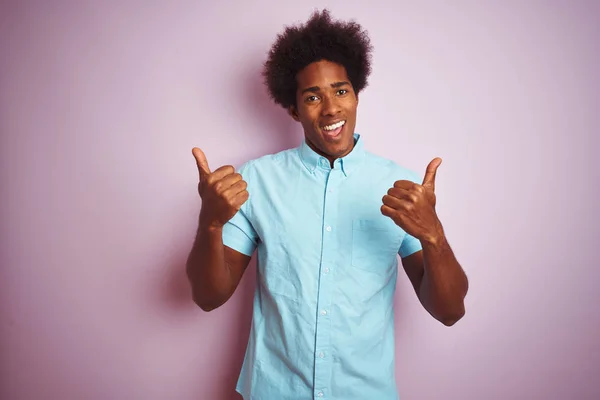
x,y
328,229
323,312
321,355
320,394
326,270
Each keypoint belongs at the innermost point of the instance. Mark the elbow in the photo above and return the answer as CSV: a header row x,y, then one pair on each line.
x,y
207,301
204,304
450,321
207,307
199,296
452,318
456,312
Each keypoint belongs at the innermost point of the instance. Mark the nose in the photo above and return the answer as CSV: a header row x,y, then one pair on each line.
x,y
330,106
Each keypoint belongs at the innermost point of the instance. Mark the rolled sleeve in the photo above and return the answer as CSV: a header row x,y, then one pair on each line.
x,y
239,234
409,245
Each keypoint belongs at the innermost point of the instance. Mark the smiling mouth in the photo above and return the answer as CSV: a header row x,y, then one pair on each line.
x,y
332,131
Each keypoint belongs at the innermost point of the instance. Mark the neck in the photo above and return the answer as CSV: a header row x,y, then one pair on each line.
x,y
329,157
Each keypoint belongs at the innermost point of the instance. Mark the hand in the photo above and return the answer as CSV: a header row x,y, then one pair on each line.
x,y
412,206
223,192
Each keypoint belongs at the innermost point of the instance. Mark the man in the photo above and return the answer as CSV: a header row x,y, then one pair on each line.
x,y
328,220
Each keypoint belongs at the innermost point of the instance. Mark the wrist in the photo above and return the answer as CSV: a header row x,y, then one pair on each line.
x,y
434,238
210,228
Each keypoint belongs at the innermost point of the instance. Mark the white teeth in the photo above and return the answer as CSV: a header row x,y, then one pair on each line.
x,y
334,126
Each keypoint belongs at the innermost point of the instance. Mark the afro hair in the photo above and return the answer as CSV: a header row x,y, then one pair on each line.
x,y
321,38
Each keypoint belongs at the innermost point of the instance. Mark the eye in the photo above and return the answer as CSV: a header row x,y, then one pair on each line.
x,y
342,92
312,98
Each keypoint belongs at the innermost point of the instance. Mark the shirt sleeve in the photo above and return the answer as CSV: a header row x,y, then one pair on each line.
x,y
238,232
409,245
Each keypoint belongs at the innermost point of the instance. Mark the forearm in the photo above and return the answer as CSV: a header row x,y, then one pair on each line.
x,y
444,284
207,271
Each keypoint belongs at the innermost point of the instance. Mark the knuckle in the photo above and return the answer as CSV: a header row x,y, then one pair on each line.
x,y
224,201
230,202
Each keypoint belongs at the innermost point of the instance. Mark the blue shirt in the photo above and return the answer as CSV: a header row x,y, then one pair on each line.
x,y
323,321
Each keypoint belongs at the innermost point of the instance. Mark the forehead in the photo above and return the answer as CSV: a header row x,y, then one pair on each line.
x,y
322,74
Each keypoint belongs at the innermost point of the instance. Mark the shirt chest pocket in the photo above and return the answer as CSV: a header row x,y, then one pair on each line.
x,y
375,244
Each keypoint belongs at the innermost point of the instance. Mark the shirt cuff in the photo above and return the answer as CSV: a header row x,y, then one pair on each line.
x,y
236,239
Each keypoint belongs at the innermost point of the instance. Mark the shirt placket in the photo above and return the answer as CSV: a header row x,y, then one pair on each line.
x,y
322,356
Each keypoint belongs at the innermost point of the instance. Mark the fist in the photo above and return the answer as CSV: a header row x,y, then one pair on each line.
x,y
223,192
412,206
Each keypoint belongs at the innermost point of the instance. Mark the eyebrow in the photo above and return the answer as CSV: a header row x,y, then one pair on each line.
x,y
318,89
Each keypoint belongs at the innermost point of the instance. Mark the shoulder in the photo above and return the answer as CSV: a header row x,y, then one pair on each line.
x,y
268,164
389,168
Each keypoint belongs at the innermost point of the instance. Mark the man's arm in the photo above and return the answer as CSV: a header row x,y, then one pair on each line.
x,y
213,269
439,280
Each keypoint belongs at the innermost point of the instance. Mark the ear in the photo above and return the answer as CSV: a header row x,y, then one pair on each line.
x,y
293,113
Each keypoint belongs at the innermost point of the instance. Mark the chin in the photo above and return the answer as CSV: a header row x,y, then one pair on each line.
x,y
333,147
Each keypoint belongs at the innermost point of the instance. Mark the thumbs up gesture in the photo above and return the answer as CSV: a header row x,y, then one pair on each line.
x,y
412,206
223,192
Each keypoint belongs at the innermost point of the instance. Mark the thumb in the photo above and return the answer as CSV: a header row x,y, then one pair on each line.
x,y
201,162
429,179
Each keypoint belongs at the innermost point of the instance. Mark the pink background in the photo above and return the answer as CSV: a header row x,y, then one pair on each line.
x,y
100,105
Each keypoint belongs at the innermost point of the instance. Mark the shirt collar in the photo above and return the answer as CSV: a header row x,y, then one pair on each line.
x,y
348,163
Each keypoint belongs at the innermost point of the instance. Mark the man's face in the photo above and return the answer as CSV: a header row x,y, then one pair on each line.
x,y
326,108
